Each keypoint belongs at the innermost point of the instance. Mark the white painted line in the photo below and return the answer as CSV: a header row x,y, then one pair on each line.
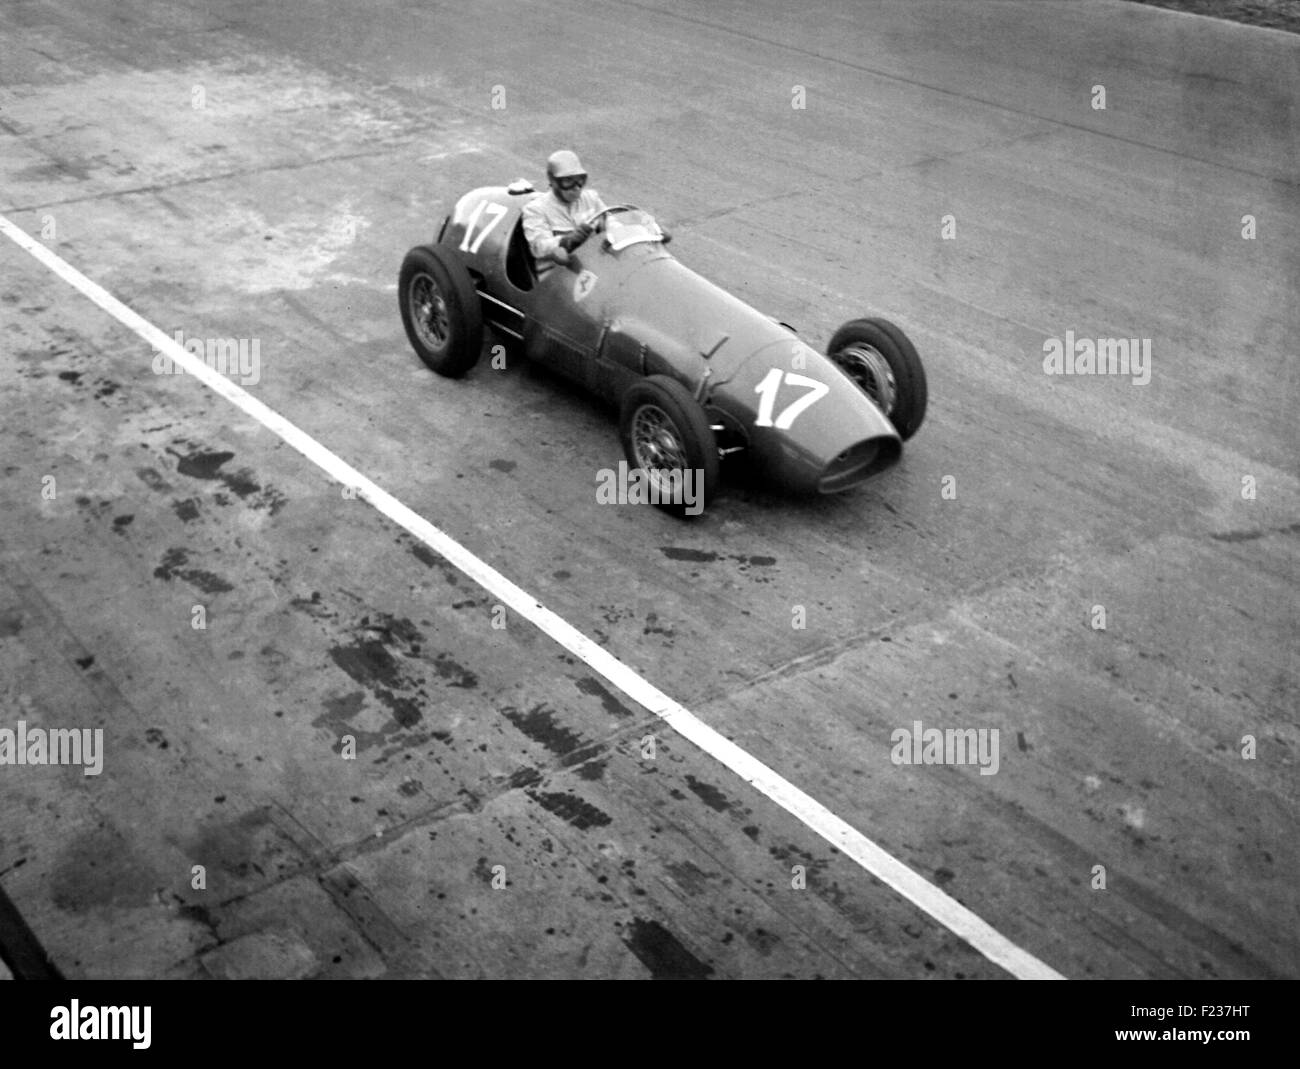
x,y
877,861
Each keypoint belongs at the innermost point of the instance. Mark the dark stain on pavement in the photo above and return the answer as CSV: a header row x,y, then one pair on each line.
x,y
187,510
202,465
314,607
377,660
540,726
200,915
153,480
503,465
1250,536
791,854
762,940
370,663
663,953
233,846
696,556
569,807
689,876
704,556
207,464
652,626
172,567
610,703
454,674
121,523
708,794
336,719
99,867
428,557
523,777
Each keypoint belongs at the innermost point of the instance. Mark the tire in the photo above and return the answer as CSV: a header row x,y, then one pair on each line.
x,y
440,310
662,427
878,357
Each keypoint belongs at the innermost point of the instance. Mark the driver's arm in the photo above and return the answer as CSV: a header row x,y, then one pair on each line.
x,y
592,206
537,229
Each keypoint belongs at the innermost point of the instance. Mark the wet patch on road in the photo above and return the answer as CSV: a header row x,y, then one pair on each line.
x,y
206,464
1250,536
453,674
430,559
314,607
539,724
663,953
172,567
100,868
689,876
572,809
337,720
608,701
695,556
377,659
248,846
154,480
708,794
704,556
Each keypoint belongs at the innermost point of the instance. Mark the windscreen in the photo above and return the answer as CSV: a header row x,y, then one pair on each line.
x,y
627,228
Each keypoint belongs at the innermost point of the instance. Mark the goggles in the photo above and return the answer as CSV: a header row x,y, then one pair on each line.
x,y
575,182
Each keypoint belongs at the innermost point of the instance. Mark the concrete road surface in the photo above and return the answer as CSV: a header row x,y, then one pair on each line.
x,y
1096,571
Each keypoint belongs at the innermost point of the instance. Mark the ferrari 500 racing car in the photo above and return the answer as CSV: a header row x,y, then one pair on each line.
x,y
697,374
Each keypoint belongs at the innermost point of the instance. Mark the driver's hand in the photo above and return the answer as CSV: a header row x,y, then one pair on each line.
x,y
574,238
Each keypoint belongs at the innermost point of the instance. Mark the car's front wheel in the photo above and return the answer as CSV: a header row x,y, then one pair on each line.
x,y
440,310
667,436
879,358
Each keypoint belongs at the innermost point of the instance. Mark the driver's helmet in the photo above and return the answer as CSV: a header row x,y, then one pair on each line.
x,y
564,164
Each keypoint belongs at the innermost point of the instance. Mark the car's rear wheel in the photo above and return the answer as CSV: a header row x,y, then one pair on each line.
x,y
666,434
879,358
440,310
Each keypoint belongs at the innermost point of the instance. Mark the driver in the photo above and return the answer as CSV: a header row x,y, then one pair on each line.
x,y
558,222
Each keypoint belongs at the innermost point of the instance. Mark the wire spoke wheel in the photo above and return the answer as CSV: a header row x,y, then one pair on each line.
x,y
429,312
867,366
658,448
884,365
667,436
440,309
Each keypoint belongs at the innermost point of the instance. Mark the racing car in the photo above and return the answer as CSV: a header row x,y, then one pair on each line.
x,y
696,373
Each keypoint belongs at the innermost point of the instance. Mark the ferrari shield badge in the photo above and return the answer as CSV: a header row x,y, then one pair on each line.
x,y
583,284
